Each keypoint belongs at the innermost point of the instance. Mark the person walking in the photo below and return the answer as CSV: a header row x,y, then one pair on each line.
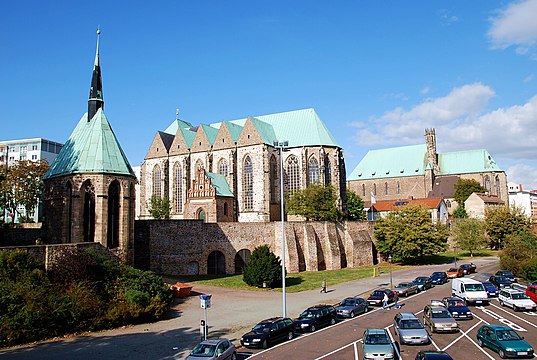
x,y
385,302
395,300
323,286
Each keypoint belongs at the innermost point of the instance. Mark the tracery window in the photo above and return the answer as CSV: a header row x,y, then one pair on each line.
x,y
327,172
293,174
247,184
313,168
273,179
222,167
157,178
178,187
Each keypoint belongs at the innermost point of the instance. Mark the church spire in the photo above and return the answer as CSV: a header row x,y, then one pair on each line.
x,y
96,101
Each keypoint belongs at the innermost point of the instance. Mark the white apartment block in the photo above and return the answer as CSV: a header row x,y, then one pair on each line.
x,y
525,200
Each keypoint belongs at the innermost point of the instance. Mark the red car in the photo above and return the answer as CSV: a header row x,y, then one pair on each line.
x,y
455,273
531,292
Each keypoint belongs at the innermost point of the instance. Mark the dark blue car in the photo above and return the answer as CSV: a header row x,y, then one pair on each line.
x,y
457,307
492,290
439,278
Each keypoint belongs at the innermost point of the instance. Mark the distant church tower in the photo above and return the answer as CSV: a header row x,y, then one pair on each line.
x,y
89,188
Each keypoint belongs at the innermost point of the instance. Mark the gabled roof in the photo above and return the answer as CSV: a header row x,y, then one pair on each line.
x,y
488,199
234,130
176,124
167,139
220,184
188,135
444,186
465,162
91,148
210,132
389,205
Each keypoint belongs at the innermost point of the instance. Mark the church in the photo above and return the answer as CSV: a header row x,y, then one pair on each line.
x,y
230,171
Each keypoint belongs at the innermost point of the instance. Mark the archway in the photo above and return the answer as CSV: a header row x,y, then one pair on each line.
x,y
216,263
241,260
201,214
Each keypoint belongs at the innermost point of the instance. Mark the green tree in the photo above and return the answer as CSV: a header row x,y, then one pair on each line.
x,y
159,208
355,206
465,188
519,254
407,234
469,234
263,266
460,213
502,221
316,202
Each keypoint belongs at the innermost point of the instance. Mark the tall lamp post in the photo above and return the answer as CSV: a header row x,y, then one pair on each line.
x,y
455,255
391,279
282,145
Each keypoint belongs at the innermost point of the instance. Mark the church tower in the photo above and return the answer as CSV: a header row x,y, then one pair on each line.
x,y
89,188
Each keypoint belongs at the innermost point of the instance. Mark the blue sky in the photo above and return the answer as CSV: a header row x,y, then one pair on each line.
x,y
377,72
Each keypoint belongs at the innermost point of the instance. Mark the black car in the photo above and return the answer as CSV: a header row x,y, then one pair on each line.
x,y
468,268
457,307
432,355
507,274
375,299
269,332
423,283
500,281
316,317
439,278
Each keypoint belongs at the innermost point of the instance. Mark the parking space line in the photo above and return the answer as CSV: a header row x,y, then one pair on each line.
x,y
339,349
516,316
462,335
479,347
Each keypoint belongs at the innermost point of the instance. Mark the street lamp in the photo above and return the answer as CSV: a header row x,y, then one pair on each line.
x,y
455,255
391,279
282,145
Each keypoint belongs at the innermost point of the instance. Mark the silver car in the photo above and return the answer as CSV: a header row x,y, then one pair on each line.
x,y
376,344
217,349
350,307
410,329
438,319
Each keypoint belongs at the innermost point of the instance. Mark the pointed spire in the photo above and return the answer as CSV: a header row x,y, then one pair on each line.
x,y
96,101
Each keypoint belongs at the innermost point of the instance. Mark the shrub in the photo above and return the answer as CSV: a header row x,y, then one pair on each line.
x,y
263,266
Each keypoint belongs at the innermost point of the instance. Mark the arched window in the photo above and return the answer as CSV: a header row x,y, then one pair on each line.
x,y
157,178
178,187
313,167
242,257
293,174
398,187
487,183
273,179
385,188
247,184
327,172
374,189
222,167
363,190
199,165
216,263
112,231
89,211
225,209
498,187
69,203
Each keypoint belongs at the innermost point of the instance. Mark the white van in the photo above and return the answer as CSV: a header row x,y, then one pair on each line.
x,y
470,290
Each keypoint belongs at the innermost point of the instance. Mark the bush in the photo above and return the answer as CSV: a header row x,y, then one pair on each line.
x,y
263,266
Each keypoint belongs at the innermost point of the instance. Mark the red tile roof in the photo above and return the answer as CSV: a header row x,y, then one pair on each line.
x,y
389,205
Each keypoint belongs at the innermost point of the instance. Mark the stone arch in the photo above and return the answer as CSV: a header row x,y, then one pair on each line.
x,y
242,257
114,216
327,171
216,263
200,214
88,196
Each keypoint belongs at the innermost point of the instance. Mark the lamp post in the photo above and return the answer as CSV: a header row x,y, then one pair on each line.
x,y
455,255
391,279
282,145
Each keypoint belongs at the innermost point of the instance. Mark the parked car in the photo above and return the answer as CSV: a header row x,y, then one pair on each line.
x,y
375,299
432,355
439,278
508,274
468,268
490,288
454,273
504,340
516,299
406,288
316,317
531,292
268,332
350,307
217,349
439,319
500,281
457,307
376,344
423,283
410,329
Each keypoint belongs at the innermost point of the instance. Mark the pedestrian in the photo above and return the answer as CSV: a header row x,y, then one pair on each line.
x,y
385,302
323,286
395,300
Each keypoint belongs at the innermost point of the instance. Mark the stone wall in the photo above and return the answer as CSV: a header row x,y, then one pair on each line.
x,y
21,234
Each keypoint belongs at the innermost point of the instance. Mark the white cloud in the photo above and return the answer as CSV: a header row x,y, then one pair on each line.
x,y
425,90
523,174
528,78
515,25
447,18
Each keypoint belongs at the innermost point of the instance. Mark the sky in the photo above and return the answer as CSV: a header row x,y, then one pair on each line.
x,y
378,73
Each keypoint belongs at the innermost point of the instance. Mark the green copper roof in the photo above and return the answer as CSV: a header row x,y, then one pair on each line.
x,y
91,148
220,184
391,162
210,132
465,162
188,135
176,124
234,130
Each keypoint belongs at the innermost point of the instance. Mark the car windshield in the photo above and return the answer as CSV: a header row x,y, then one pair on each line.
x,y
411,324
502,279
438,274
262,327
377,339
204,350
403,285
505,273
441,314
378,293
309,314
506,335
348,302
420,280
474,287
489,285
456,303
519,296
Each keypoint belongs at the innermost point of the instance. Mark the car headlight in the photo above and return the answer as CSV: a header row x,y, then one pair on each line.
x,y
455,313
510,349
345,311
256,340
304,325
407,337
530,349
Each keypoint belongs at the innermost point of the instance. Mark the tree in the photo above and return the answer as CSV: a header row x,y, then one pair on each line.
x,y
22,184
469,234
460,213
316,202
501,221
409,233
159,208
264,266
465,188
519,254
355,206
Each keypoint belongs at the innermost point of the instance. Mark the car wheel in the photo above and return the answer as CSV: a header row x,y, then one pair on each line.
x,y
290,335
366,309
265,344
313,328
501,303
332,321
480,342
352,314
234,356
502,354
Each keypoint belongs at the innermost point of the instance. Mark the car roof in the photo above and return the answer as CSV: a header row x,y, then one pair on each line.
x,y
407,315
271,319
512,291
212,341
437,308
452,298
375,331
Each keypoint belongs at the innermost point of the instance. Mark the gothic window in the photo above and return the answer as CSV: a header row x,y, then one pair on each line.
x,y
398,187
487,183
112,233
178,187
225,209
327,172
201,214
498,187
69,203
374,189
385,188
363,190
313,167
157,182
293,174
222,167
273,179
89,211
247,184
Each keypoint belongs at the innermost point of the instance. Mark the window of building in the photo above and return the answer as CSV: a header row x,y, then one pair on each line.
x,y
178,187
386,188
293,174
398,187
225,209
327,172
23,149
313,167
199,165
363,190
247,184
222,167
498,187
34,157
157,177
273,179
34,147
487,183
22,157
374,189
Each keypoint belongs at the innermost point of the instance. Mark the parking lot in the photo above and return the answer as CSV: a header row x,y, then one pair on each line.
x,y
343,340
